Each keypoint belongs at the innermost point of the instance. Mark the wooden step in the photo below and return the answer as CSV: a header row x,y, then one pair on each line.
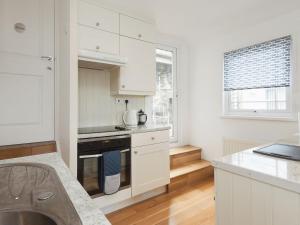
x,y
189,174
180,156
183,149
189,168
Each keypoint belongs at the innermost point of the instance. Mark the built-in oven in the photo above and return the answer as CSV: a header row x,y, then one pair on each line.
x,y
90,152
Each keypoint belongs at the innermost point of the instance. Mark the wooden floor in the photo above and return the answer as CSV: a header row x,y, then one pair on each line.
x,y
190,206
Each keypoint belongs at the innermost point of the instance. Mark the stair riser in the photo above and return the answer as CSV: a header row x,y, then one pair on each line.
x,y
190,179
179,160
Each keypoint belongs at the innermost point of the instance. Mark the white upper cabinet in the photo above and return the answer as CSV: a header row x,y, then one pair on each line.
x,y
137,77
94,16
138,29
105,31
98,40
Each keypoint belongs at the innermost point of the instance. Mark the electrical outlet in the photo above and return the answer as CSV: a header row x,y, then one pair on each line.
x,y
118,100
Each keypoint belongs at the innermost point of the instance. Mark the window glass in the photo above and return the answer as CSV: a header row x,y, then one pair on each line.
x,y
163,102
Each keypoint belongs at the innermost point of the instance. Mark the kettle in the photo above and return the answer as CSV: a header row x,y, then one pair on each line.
x,y
142,117
130,118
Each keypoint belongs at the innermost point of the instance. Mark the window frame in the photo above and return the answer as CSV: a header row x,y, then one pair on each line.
x,y
174,51
287,114
259,113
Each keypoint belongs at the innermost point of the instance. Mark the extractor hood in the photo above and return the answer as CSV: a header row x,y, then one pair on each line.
x,y
97,60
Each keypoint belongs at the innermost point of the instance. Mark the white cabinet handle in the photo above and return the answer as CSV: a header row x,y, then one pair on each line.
x,y
97,47
153,138
98,24
139,35
136,152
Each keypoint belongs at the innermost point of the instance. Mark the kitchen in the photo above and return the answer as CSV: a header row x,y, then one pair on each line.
x,y
108,142
127,106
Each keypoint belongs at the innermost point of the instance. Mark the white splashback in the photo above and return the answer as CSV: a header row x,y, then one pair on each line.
x,y
96,105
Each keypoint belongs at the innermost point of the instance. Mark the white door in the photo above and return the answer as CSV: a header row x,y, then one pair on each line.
x,y
26,72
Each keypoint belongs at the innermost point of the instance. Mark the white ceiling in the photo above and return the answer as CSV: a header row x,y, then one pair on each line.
x,y
192,18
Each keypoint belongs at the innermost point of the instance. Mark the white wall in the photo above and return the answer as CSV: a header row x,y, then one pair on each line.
x,y
66,99
207,128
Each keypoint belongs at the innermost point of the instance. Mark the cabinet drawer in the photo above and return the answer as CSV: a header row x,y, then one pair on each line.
x,y
98,40
137,29
97,17
150,167
149,138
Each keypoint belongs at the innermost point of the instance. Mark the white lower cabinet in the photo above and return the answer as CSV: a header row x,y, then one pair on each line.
x,y
244,201
150,167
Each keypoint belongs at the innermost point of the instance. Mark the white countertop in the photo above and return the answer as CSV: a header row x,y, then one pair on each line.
x,y
138,129
85,207
276,171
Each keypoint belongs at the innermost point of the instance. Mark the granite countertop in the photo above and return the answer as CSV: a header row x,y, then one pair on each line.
x,y
85,207
138,129
276,171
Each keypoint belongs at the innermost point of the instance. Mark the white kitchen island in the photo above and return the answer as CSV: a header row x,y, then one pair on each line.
x,y
253,189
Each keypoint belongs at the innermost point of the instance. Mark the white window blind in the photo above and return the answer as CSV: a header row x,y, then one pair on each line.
x,y
264,65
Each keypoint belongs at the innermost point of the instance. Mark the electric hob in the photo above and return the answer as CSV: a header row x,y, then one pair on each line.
x,y
291,152
104,129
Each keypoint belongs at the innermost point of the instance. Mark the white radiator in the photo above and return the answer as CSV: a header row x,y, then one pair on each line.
x,y
231,146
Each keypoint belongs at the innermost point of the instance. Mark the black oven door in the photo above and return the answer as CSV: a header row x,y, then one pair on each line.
x,y
89,171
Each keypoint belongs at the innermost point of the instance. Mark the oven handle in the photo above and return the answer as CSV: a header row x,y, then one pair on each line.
x,y
99,155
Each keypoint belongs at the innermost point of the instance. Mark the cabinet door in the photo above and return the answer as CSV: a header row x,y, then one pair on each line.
x,y
97,40
137,29
97,17
241,199
224,196
261,203
150,167
286,207
138,76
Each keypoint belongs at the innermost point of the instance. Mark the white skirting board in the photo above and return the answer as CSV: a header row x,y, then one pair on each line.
x,y
107,205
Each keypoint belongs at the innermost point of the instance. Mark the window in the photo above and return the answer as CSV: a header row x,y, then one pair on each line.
x,y
257,79
165,101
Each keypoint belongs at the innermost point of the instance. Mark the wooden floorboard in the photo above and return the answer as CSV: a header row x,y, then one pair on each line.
x,y
193,205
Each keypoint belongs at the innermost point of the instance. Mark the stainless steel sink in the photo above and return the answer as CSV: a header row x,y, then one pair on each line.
x,y
25,218
32,194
